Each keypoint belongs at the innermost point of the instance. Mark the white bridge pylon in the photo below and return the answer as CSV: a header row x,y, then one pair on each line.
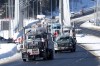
x,y
66,13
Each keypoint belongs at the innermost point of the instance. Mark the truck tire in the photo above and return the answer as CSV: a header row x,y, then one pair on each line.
x,y
50,55
45,56
24,60
56,51
73,49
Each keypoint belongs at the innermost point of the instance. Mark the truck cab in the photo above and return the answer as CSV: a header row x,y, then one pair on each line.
x,y
55,30
37,46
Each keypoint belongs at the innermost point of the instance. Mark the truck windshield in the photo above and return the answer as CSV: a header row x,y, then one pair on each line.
x,y
36,44
31,46
56,27
30,37
43,35
38,36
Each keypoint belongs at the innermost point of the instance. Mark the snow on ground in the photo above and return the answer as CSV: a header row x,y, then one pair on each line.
x,y
82,38
7,50
89,42
90,26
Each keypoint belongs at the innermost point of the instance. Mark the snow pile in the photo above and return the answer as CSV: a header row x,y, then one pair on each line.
x,y
90,25
84,38
4,48
89,42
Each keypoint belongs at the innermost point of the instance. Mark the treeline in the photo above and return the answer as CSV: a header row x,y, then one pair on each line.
x,y
44,6
35,7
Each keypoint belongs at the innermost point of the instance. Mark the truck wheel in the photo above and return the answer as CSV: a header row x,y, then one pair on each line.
x,y
24,60
73,49
45,56
50,55
56,51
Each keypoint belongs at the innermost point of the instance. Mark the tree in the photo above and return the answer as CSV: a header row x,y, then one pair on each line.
x,y
45,6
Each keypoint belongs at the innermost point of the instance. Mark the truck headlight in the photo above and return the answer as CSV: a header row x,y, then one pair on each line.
x,y
70,44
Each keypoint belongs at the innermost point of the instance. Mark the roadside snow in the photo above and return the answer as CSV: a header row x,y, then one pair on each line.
x,y
82,38
89,42
7,50
90,26
4,48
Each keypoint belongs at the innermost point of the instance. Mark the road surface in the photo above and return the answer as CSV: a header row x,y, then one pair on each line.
x,y
84,55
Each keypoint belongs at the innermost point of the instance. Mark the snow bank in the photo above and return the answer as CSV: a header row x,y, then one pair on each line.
x,y
4,48
90,26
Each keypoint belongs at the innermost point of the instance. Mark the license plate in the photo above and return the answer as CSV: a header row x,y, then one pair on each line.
x,y
35,51
62,48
